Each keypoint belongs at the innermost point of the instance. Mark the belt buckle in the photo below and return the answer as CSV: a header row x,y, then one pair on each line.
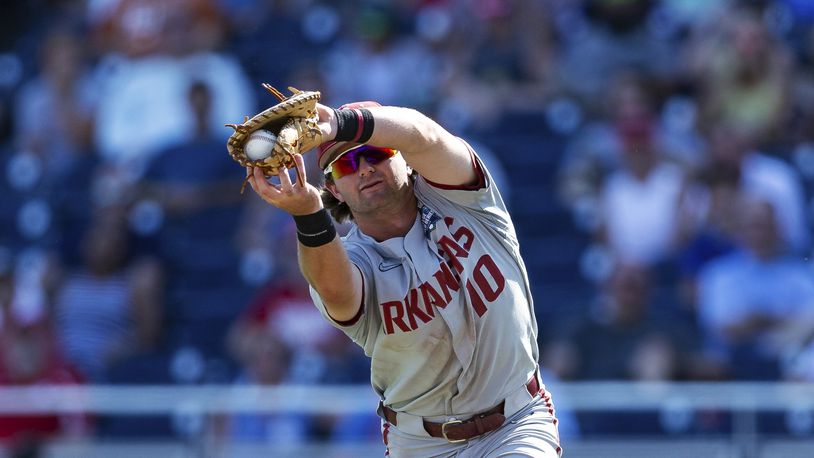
x,y
444,431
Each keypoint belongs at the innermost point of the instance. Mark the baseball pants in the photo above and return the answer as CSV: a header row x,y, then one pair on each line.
x,y
531,432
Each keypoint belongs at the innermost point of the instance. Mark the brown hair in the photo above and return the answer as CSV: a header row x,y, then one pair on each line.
x,y
339,210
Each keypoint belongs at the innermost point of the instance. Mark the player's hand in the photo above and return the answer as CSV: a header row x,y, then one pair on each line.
x,y
327,122
296,198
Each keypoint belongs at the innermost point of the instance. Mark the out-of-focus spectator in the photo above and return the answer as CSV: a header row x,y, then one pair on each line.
x,y
64,94
709,224
140,111
53,143
51,124
748,297
147,358
603,37
200,35
29,356
260,342
512,57
266,360
629,134
639,209
262,33
622,339
639,202
762,175
138,28
283,308
744,74
111,306
143,79
196,175
499,59
188,204
376,48
275,322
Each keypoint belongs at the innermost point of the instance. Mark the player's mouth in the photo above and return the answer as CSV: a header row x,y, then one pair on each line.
x,y
369,185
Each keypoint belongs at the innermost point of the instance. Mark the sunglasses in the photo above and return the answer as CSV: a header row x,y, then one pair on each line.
x,y
349,162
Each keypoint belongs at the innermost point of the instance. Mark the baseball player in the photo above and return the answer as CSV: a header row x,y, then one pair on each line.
x,y
429,282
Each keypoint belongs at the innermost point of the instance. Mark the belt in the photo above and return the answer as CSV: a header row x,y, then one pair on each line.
x,y
463,430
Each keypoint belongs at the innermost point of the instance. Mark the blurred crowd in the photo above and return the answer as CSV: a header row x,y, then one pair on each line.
x,y
670,142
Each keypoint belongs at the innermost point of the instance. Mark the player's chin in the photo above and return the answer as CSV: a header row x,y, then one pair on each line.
x,y
370,201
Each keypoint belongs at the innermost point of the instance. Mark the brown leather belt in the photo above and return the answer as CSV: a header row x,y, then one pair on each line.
x,y
458,430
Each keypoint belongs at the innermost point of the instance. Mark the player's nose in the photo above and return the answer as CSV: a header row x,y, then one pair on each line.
x,y
365,166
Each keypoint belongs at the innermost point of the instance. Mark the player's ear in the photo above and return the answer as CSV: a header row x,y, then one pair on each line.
x,y
331,187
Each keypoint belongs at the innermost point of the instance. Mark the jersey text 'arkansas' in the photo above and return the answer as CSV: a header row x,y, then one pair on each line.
x,y
483,285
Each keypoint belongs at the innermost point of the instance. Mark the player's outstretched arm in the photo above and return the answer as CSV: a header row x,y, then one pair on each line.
x,y
323,260
427,147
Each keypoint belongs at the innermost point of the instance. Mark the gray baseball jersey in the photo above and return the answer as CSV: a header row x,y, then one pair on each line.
x,y
447,316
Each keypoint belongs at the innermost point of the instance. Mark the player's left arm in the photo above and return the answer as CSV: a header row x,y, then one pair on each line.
x,y
435,153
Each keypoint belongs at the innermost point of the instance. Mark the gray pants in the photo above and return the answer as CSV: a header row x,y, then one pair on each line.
x,y
531,432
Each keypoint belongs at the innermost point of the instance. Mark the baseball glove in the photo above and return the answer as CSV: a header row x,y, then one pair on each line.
x,y
293,120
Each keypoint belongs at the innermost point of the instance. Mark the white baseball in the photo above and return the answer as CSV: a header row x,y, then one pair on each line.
x,y
260,144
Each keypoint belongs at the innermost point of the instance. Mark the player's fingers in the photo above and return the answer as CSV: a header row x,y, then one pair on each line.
x,y
250,177
263,187
299,162
285,181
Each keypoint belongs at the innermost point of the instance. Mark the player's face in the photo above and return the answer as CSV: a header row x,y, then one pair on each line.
x,y
370,180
